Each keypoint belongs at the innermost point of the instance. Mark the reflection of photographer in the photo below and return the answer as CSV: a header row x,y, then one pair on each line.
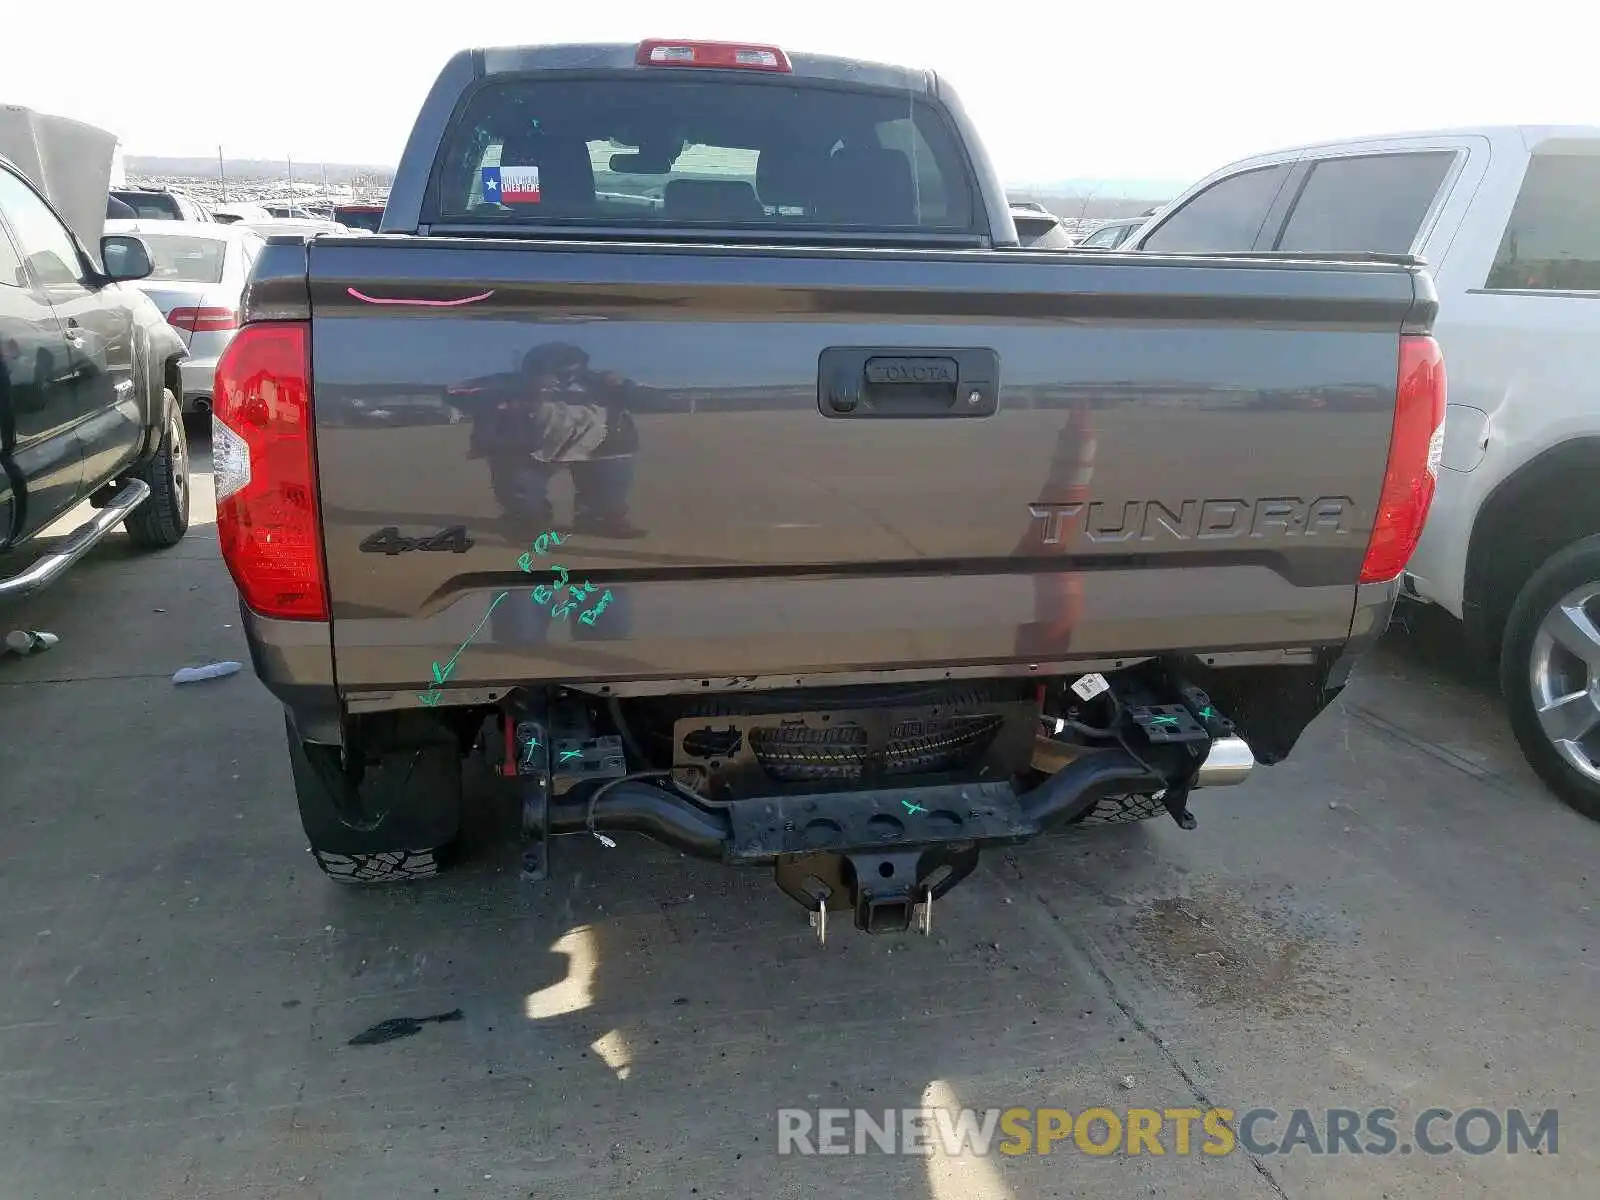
x,y
1058,595
558,413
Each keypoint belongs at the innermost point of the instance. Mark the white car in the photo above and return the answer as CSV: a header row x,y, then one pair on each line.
x,y
233,214
1508,220
199,276
280,209
1109,235
1039,229
306,227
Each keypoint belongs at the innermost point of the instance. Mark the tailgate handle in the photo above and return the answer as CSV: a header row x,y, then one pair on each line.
x,y
873,382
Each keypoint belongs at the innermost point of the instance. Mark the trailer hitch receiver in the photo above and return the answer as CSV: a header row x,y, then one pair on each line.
x,y
881,890
886,891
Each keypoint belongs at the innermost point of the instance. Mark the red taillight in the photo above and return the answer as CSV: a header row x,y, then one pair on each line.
x,y
661,52
265,473
203,320
1415,449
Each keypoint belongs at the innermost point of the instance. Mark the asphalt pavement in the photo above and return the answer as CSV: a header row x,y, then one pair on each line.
x,y
1399,917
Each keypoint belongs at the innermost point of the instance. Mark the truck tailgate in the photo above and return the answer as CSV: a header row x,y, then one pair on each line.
x,y
1182,456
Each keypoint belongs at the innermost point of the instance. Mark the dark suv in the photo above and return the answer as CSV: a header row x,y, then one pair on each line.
x,y
359,216
158,204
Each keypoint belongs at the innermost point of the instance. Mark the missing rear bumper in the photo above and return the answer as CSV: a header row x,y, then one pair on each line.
x,y
882,854
855,809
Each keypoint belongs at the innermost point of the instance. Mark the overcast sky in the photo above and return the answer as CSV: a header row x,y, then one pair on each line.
x,y
1149,90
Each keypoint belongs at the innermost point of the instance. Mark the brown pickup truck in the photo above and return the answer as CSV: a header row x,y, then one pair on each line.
x,y
754,491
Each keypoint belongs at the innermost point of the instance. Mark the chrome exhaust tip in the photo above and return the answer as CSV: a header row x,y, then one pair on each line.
x,y
1229,762
202,408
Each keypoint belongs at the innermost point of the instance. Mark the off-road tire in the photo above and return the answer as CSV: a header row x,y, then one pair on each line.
x,y
163,518
386,866
1119,810
1562,573
393,820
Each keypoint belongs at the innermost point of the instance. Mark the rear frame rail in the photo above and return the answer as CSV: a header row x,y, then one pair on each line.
x,y
885,850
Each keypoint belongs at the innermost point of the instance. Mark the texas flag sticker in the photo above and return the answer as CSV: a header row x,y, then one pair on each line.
x,y
511,185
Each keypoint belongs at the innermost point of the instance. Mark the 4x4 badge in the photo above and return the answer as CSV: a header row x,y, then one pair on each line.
x,y
389,540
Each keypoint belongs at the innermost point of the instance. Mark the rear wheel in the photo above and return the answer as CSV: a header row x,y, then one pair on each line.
x,y
163,518
387,818
1550,674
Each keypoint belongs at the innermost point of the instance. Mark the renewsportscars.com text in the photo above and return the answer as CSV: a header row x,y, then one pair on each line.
x,y
1177,1131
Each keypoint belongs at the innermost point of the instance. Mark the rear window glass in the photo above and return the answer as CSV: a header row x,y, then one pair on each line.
x,y
685,152
1109,237
151,208
1369,202
188,259
1226,218
1552,242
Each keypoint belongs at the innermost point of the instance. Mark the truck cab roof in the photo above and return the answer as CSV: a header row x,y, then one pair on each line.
x,y
691,141
1525,138
624,56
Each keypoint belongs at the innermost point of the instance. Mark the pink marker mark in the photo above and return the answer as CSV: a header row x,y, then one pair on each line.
x,y
423,303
